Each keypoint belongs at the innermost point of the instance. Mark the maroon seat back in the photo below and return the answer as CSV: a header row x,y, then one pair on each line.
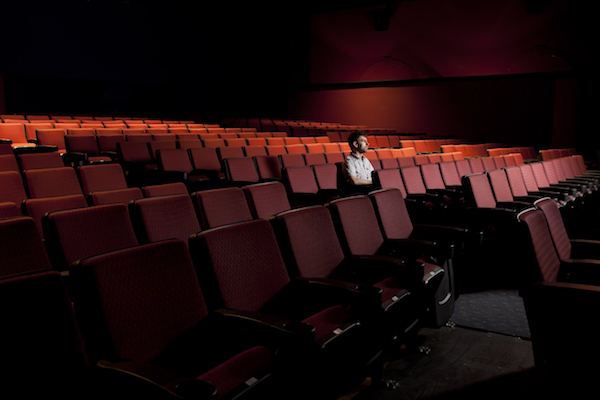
x,y
541,242
40,160
300,179
413,180
241,170
556,225
307,253
222,206
266,199
432,176
268,167
165,217
39,325
392,213
72,235
390,178
245,263
101,177
364,241
478,190
21,247
500,185
52,182
326,176
516,181
450,174
12,186
165,189
159,299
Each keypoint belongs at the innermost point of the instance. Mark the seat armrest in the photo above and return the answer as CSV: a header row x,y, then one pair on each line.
x,y
584,271
513,205
378,268
563,330
585,249
410,249
141,373
364,300
267,328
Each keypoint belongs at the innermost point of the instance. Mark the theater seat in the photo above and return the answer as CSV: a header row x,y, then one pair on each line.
x,y
447,243
22,247
266,199
158,318
72,235
164,217
253,278
42,341
311,249
222,206
369,241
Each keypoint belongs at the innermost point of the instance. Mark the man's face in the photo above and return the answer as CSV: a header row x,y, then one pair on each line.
x,y
362,144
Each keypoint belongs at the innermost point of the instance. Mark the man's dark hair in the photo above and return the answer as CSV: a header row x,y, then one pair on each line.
x,y
354,137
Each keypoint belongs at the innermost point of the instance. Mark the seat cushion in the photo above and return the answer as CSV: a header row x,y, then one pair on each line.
x,y
238,369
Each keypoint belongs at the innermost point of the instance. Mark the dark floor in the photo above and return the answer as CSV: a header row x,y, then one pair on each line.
x,y
463,364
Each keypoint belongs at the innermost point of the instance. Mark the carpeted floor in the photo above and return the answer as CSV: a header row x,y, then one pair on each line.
x,y
462,364
486,354
499,311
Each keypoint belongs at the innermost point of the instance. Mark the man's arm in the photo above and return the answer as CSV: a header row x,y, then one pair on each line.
x,y
358,181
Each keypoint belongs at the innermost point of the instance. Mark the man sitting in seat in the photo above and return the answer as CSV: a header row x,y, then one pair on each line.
x,y
358,166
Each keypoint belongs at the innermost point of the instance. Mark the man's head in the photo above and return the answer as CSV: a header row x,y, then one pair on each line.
x,y
358,142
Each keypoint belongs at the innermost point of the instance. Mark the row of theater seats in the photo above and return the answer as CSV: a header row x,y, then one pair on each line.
x,y
430,199
566,284
300,302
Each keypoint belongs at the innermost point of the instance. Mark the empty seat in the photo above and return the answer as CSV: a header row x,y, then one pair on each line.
x,y
241,171
314,158
266,199
205,161
52,137
222,206
72,235
95,178
519,189
84,148
434,183
22,247
164,217
502,192
165,189
16,133
567,248
369,241
268,167
302,187
122,196
8,162
137,162
447,244
311,249
38,207
160,319
251,151
39,327
52,182
253,278
40,160
292,160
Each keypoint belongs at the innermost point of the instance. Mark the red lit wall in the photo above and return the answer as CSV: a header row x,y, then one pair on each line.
x,y
478,70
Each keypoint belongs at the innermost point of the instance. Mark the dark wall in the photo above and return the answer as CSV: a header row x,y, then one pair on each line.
x,y
154,58
514,70
183,59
